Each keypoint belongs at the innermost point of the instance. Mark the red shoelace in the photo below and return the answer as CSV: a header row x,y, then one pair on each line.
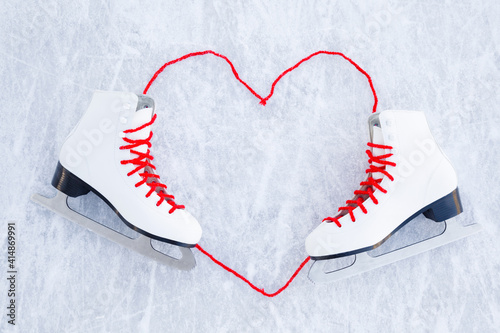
x,y
143,161
263,101
371,183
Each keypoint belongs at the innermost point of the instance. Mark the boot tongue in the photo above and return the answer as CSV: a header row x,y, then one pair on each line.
x,y
378,139
143,115
140,118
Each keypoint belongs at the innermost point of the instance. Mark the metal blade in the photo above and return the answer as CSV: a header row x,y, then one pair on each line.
x,y
364,262
141,244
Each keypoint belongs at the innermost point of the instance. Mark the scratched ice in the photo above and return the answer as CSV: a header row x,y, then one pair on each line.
x,y
259,178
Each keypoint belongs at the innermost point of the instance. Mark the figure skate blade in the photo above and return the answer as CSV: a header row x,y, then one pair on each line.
x,y
364,262
141,244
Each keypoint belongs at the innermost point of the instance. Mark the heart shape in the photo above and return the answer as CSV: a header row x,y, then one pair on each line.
x,y
263,101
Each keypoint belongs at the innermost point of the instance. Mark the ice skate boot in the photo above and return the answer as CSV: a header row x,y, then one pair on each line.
x,y
108,153
408,175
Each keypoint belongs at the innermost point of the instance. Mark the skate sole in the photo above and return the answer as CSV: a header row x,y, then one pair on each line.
x,y
71,185
141,244
439,211
364,262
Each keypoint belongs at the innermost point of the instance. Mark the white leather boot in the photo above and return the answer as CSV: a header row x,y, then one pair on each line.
x,y
408,175
108,153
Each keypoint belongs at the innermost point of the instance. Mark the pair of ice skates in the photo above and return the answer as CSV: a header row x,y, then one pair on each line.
x,y
109,154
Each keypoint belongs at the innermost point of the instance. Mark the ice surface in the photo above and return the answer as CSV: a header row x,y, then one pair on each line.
x,y
259,179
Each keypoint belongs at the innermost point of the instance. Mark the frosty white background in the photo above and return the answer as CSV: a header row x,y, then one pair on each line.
x,y
258,178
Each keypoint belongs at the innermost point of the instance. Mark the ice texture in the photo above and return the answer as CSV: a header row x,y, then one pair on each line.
x,y
258,178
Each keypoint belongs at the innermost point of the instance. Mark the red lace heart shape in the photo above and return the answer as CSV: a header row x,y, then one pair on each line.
x,y
263,101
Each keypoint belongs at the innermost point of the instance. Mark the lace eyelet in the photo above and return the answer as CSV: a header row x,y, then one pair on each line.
x,y
142,161
378,164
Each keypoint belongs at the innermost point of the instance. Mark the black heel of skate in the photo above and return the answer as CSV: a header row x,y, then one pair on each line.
x,y
68,183
445,208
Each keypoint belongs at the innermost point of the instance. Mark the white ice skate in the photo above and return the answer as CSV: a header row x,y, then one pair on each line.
x,y
108,153
408,175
